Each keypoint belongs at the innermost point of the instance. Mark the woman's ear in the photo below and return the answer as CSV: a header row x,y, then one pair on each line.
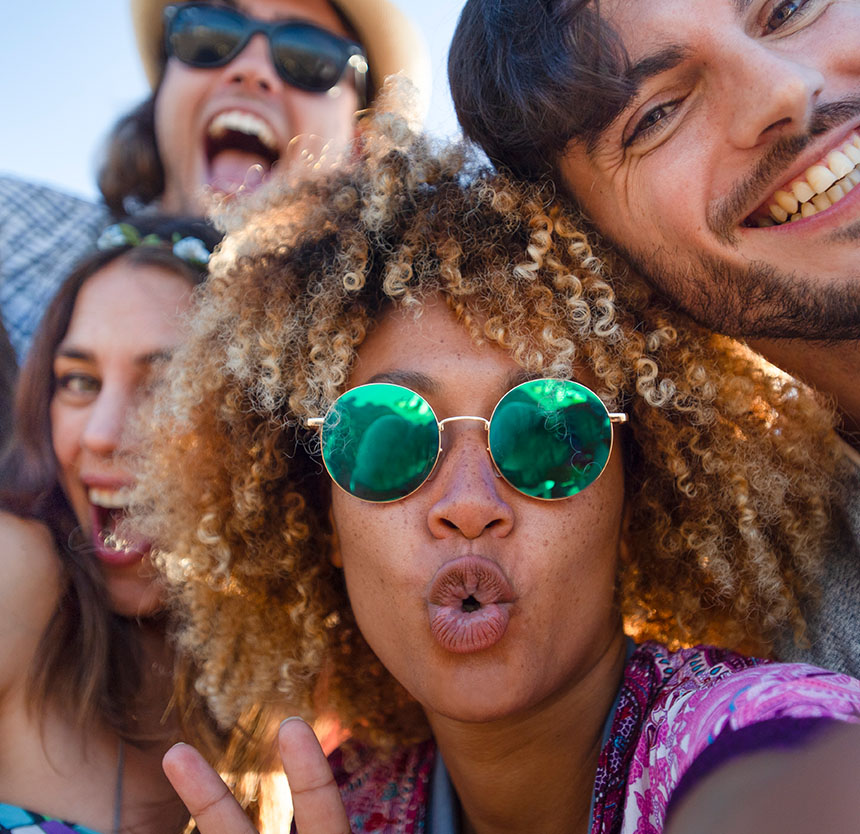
x,y
334,543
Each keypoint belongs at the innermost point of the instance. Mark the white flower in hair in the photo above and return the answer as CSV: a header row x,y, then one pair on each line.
x,y
192,250
114,236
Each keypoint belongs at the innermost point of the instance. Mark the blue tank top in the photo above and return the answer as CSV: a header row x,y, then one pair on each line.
x,y
19,821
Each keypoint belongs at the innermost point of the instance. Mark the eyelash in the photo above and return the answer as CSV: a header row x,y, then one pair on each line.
x,y
642,130
67,382
795,9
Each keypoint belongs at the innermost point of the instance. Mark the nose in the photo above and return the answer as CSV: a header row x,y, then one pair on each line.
x,y
252,68
107,419
771,93
466,490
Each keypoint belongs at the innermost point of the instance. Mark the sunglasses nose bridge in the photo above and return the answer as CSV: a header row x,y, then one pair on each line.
x,y
461,418
486,424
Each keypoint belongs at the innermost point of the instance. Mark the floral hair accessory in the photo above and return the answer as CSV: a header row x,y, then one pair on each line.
x,y
192,250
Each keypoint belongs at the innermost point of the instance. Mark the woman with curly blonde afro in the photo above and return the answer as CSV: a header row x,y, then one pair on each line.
x,y
431,463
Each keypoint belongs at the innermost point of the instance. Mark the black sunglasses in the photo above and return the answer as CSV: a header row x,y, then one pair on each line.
x,y
306,56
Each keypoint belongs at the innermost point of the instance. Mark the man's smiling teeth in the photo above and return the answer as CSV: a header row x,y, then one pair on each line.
x,y
242,122
822,185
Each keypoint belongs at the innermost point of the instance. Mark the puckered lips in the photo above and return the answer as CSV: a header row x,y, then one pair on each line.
x,y
107,509
238,142
469,604
819,187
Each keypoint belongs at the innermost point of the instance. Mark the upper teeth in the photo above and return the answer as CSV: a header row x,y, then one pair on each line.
x,y
110,499
242,122
820,187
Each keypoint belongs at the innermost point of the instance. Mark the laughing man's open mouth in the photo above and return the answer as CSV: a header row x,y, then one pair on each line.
x,y
818,188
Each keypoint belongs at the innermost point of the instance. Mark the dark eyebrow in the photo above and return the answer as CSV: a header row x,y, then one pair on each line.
x,y
156,356
518,377
413,380
652,65
85,356
423,384
629,83
74,353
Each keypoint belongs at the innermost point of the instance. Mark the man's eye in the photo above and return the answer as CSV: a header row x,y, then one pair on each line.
x,y
652,121
783,12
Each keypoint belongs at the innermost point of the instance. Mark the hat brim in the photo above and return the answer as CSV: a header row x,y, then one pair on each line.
x,y
392,41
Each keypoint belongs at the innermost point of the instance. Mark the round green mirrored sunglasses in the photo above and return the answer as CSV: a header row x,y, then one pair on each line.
x,y
548,438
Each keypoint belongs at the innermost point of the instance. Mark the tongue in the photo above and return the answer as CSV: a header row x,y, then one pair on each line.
x,y
231,169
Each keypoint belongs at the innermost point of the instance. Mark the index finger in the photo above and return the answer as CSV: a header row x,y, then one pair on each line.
x,y
208,799
317,806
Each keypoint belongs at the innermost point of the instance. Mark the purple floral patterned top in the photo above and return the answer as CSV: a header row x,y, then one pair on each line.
x,y
671,707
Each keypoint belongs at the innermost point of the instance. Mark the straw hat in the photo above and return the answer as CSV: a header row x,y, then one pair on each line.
x,y
392,42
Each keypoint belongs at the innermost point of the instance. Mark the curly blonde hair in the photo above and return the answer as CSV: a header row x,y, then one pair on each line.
x,y
728,463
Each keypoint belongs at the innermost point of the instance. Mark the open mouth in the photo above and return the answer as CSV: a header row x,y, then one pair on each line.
x,y
237,141
817,189
108,507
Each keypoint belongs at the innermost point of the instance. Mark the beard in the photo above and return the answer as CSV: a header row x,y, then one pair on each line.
x,y
756,300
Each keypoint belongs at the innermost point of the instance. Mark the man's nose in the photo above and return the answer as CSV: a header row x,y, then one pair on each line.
x,y
770,93
468,495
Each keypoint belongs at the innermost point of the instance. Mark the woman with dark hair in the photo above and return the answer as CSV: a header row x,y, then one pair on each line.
x,y
518,526
87,673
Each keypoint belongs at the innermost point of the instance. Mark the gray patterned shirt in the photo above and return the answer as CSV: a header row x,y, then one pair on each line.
x,y
43,234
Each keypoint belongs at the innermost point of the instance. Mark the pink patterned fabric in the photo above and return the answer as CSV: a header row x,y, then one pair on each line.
x,y
670,707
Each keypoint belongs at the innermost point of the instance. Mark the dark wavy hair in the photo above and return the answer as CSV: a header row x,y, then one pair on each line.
x,y
528,77
85,663
132,174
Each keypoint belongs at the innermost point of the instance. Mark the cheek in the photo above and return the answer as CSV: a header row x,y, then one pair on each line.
x,y
66,430
376,549
174,105
332,119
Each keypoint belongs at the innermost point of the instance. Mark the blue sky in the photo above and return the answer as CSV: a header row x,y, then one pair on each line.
x,y
69,69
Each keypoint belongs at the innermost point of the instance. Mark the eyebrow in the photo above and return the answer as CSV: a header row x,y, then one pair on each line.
x,y
414,380
85,356
423,384
629,83
655,64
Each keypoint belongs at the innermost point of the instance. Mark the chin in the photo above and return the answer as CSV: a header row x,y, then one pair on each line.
x,y
480,703
136,600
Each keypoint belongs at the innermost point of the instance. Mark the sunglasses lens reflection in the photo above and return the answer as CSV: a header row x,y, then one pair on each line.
x,y
205,36
550,438
379,442
304,55
309,57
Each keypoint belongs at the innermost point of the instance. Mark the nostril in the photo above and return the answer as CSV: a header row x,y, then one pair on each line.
x,y
777,125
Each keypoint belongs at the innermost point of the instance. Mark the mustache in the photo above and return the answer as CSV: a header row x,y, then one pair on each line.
x,y
723,214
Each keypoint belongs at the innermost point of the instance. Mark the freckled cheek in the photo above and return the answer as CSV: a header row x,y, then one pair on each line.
x,y
377,547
